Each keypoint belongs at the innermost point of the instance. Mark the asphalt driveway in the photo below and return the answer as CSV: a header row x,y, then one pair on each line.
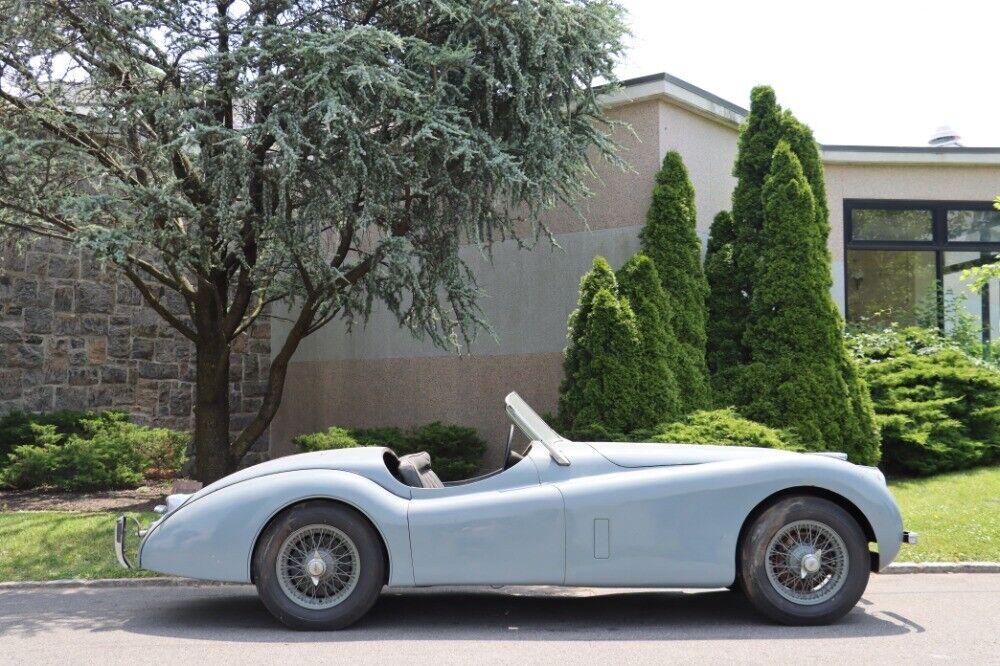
x,y
901,619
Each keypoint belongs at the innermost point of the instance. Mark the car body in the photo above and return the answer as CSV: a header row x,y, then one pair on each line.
x,y
568,513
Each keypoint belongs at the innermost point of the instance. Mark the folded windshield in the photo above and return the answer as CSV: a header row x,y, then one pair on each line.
x,y
533,427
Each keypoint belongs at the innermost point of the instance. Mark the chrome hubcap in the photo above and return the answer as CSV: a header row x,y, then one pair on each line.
x,y
807,562
318,566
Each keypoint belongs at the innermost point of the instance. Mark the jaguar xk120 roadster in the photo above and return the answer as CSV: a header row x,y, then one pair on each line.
x,y
321,533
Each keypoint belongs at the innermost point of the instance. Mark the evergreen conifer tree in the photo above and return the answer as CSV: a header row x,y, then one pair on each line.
x,y
800,376
724,338
600,276
607,389
670,239
639,284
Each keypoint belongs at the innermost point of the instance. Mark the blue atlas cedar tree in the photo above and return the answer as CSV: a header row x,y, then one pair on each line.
x,y
670,239
800,376
243,158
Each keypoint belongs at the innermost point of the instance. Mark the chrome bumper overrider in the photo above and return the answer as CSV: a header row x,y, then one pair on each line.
x,y
121,525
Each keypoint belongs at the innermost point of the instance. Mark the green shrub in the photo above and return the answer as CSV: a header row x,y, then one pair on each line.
x,y
456,451
332,438
726,427
74,463
670,239
939,408
16,427
105,451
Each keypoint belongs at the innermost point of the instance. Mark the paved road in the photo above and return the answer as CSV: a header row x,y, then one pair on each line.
x,y
912,619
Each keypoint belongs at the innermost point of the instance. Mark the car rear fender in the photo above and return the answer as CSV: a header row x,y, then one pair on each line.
x,y
213,537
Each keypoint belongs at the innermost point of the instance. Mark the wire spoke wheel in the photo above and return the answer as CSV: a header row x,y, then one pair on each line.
x,y
318,566
807,562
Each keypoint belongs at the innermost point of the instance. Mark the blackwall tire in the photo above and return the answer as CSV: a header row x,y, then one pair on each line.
x,y
779,544
346,553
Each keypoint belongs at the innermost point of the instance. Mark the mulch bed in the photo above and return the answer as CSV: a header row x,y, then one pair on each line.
x,y
143,498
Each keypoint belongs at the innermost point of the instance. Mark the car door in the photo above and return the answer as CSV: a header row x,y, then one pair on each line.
x,y
505,529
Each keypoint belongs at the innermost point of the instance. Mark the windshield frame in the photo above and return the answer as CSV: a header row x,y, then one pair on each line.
x,y
534,427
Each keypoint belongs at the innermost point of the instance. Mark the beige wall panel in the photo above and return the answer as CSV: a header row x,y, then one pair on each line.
x,y
709,150
850,181
413,391
616,201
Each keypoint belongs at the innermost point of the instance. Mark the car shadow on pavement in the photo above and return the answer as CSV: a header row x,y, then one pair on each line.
x,y
236,614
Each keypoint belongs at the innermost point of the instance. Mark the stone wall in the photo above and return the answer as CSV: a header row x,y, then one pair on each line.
x,y
76,336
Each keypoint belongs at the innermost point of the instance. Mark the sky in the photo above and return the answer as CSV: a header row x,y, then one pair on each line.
x,y
874,72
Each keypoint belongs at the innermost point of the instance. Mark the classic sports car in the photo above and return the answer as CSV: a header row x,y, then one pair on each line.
x,y
321,533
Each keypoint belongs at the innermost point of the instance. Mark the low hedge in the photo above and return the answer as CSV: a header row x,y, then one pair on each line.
x,y
102,452
725,427
938,407
456,451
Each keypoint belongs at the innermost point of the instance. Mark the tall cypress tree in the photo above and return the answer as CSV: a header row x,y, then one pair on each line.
x,y
800,375
724,349
600,276
606,389
759,136
670,239
639,284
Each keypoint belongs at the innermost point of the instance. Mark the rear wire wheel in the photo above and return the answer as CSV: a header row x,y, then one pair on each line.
x,y
319,565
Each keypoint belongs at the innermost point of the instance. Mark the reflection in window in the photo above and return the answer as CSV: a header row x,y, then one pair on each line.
x,y
967,314
974,226
891,286
892,225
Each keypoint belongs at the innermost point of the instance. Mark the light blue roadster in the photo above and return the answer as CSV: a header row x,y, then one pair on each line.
x,y
321,533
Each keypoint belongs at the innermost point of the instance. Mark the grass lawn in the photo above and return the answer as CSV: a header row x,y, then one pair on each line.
x,y
49,545
957,516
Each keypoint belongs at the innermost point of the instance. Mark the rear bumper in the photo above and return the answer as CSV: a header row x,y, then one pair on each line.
x,y
121,538
120,543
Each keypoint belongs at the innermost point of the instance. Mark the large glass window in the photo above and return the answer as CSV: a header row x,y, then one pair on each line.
x,y
904,264
886,286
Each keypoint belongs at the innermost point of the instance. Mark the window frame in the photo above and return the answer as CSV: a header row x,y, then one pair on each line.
x,y
939,242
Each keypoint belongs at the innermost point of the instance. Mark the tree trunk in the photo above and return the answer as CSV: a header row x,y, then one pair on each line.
x,y
213,459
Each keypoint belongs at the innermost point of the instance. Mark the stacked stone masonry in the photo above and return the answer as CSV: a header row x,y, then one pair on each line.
x,y
74,335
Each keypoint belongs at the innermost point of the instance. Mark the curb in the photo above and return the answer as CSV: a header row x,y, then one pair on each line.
x,y
173,581
942,567
153,581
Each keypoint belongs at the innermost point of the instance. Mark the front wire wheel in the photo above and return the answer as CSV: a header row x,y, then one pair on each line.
x,y
807,562
804,561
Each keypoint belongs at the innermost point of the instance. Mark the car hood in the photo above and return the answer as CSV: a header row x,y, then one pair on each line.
x,y
642,454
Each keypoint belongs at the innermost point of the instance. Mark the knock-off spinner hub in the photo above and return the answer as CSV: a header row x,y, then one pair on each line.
x,y
316,566
810,563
